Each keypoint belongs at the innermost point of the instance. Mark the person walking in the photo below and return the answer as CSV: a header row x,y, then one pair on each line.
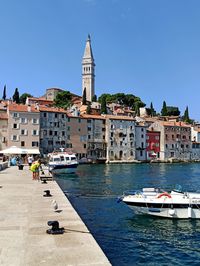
x,y
30,160
35,168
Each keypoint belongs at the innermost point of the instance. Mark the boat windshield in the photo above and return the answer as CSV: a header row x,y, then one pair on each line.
x,y
73,158
178,188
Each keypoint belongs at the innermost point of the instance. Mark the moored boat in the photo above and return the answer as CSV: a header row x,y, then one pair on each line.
x,y
62,162
157,202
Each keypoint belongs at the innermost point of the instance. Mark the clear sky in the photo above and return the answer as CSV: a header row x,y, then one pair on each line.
x,y
149,48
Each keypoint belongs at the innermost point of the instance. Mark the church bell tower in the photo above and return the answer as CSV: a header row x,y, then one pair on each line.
x,y
88,71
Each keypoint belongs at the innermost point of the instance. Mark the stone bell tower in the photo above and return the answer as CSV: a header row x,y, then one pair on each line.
x,y
88,70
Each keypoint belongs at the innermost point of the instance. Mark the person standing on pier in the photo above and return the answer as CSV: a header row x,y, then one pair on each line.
x,y
35,168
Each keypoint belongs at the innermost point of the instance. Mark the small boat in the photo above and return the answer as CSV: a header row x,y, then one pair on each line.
x,y
157,202
62,162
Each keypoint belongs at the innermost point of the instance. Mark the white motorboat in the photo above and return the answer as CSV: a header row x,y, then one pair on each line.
x,y
157,202
62,162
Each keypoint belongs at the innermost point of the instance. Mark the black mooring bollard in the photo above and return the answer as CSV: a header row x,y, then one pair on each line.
x,y
55,230
48,194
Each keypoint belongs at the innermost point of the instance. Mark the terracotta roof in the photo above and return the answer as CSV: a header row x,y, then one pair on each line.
x,y
52,109
88,116
118,117
176,124
22,108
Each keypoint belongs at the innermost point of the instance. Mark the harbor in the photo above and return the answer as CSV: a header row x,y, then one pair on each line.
x,y
24,216
128,238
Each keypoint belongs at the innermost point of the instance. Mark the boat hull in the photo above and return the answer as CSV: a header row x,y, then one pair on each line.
x,y
166,212
63,169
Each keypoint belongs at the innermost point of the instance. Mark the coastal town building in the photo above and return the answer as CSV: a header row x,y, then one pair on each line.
x,y
23,126
96,143
88,71
153,145
120,138
3,127
175,140
60,130
140,141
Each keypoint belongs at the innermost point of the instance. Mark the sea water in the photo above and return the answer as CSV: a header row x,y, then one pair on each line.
x,y
125,237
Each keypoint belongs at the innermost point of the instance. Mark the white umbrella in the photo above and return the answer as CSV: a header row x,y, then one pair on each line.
x,y
14,150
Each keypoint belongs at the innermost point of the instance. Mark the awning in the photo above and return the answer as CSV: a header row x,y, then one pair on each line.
x,y
33,151
14,150
17,150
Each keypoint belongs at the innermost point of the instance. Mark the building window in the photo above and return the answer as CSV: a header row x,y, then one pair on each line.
x,y
68,128
89,128
34,143
15,126
35,121
23,131
63,133
142,136
35,132
79,120
84,146
55,133
111,143
141,153
23,120
44,114
50,142
142,129
111,134
68,137
89,136
68,119
166,136
22,143
63,116
14,137
15,115
50,132
56,115
166,146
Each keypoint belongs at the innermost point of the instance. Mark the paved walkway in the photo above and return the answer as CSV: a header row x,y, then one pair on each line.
x,y
24,214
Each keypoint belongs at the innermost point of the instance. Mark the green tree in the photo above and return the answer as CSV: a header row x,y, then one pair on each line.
x,y
164,109
23,97
103,105
63,99
4,92
186,117
172,110
88,110
84,100
16,96
152,110
94,98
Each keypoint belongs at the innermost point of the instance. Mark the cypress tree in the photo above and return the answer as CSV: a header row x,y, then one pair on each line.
x,y
16,96
186,117
164,109
94,98
4,92
88,110
84,101
152,109
103,106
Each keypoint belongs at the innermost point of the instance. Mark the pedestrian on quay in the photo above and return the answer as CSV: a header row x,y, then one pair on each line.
x,y
30,160
35,169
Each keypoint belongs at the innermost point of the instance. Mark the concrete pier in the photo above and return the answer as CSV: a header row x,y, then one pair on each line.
x,y
24,214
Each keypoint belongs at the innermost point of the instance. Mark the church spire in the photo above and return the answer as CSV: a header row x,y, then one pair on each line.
x,y
88,67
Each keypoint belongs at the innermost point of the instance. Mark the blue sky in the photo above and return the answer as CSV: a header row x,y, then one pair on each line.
x,y
150,48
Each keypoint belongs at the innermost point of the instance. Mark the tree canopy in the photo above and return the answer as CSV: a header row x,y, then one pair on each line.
x,y
63,99
22,98
127,100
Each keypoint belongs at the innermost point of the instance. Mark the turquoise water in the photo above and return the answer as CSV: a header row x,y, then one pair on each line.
x,y
126,238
